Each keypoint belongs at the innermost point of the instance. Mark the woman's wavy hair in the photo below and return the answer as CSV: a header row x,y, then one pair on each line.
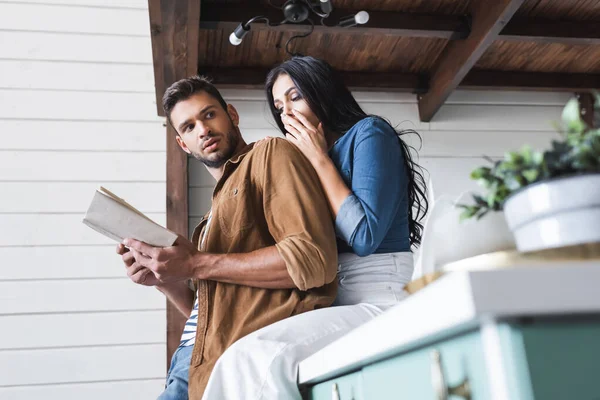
x,y
331,101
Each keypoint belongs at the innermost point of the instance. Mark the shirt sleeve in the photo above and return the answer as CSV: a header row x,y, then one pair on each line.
x,y
379,183
298,215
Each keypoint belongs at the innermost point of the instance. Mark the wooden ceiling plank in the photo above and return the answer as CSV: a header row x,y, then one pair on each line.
x,y
542,81
403,24
459,56
222,16
547,31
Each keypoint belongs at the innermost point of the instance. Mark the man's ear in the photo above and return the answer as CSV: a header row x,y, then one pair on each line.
x,y
182,144
233,114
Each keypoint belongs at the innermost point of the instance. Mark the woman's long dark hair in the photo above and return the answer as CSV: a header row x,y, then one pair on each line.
x,y
333,104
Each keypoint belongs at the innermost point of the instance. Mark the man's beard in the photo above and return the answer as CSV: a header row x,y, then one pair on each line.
x,y
233,139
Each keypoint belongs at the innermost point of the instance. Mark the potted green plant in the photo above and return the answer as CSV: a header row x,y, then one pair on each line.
x,y
550,198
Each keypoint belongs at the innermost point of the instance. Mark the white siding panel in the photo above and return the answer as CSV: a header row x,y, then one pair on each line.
x,y
76,76
452,175
62,262
400,115
116,4
54,230
30,367
74,166
49,197
56,18
491,143
254,115
74,47
70,330
142,389
509,98
77,296
77,110
495,118
82,135
198,176
192,223
100,106
251,135
199,201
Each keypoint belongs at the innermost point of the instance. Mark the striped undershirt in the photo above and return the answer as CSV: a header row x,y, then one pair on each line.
x,y
189,331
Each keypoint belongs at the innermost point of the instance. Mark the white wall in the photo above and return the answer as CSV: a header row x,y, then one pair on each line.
x,y
470,125
77,111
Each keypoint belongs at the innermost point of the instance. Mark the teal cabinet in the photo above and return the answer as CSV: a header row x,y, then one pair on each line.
x,y
421,373
347,387
545,360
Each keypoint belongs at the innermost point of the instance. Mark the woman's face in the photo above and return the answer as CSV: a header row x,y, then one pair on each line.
x,y
286,97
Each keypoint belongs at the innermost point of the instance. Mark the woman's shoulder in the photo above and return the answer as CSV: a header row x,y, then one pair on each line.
x,y
372,126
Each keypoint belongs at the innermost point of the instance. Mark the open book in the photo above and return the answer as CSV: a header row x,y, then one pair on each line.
x,y
115,218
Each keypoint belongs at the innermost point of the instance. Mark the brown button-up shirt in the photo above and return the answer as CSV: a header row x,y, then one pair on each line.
x,y
268,195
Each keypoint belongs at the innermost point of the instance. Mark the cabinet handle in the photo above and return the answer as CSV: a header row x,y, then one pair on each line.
x,y
335,392
438,380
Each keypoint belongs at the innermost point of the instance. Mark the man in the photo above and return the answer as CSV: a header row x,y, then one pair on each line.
x,y
265,252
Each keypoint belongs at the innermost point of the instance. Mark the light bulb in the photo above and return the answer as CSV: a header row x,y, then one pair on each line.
x,y
234,40
238,34
361,17
326,6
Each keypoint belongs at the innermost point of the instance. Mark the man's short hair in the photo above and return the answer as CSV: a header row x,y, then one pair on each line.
x,y
185,88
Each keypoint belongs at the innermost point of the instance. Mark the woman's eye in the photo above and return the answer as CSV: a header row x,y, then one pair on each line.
x,y
296,98
210,114
189,128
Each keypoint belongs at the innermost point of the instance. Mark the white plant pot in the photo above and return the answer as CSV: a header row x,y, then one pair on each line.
x,y
446,239
555,213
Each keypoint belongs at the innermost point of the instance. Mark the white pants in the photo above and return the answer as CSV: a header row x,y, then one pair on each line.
x,y
264,364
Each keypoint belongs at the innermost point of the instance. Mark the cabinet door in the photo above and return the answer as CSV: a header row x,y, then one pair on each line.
x,y
348,387
416,375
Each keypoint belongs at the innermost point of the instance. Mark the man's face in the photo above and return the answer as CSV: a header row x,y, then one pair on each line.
x,y
206,130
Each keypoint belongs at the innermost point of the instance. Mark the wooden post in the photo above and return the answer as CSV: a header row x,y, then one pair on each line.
x,y
174,27
586,107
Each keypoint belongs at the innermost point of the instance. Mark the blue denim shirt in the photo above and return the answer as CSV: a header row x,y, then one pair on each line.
x,y
374,218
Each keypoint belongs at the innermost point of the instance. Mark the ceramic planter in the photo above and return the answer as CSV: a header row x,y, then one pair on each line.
x,y
559,212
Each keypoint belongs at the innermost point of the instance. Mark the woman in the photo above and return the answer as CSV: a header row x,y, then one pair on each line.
x,y
373,186
367,172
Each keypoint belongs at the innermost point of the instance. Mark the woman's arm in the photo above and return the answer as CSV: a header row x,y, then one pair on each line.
x,y
364,215
379,186
311,141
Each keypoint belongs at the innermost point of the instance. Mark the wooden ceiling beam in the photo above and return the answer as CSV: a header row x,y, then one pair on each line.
x,y
457,59
254,78
450,27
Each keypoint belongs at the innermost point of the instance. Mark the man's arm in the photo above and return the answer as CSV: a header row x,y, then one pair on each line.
x,y
180,295
299,219
177,292
264,268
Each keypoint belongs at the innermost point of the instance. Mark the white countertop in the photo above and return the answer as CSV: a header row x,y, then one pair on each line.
x,y
456,301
